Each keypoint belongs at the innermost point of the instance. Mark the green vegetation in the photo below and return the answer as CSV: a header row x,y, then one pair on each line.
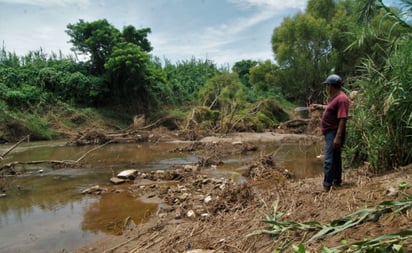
x,y
121,77
388,243
380,129
366,42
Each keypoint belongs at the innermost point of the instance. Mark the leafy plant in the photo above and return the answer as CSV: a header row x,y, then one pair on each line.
x,y
396,242
282,228
380,133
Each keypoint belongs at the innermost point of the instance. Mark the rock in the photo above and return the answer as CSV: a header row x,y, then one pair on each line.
x,y
188,167
166,208
190,214
391,192
160,172
205,181
127,174
93,189
3,195
208,199
184,196
116,180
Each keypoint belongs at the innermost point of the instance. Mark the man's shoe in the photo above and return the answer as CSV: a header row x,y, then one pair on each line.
x,y
335,184
326,188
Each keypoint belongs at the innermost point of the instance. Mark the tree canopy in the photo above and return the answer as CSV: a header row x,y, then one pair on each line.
x,y
97,39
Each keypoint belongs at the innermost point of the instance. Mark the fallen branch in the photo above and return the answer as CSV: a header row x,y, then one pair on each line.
x,y
13,147
96,148
53,162
151,125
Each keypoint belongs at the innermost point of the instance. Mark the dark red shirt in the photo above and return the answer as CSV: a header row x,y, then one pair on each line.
x,y
337,108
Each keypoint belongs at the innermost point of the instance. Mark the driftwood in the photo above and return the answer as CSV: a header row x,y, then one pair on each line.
x,y
99,137
136,132
52,162
13,147
297,123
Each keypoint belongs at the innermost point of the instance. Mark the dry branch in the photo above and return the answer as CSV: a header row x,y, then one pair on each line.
x,y
52,162
157,122
13,147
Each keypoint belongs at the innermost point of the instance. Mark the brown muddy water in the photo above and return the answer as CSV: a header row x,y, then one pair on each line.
x,y
44,210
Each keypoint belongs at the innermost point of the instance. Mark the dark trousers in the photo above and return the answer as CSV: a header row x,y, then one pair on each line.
x,y
333,161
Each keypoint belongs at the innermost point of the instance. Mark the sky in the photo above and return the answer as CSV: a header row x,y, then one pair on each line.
x,y
223,31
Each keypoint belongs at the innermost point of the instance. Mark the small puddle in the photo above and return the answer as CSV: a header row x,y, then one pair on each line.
x,y
114,212
44,211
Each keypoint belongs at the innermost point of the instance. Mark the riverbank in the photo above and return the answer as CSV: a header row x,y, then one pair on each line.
x,y
202,213
199,212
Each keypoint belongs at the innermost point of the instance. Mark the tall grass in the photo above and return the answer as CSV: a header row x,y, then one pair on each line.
x,y
380,128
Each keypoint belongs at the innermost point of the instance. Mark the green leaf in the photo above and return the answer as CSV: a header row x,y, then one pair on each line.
x,y
403,185
396,247
299,249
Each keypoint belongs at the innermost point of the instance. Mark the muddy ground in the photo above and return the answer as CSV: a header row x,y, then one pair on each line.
x,y
199,213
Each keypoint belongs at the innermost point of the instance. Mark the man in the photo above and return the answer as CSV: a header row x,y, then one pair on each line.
x,y
333,127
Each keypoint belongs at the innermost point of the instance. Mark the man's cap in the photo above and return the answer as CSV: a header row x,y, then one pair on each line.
x,y
334,80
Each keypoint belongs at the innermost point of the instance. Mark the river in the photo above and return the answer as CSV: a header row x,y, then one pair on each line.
x,y
44,210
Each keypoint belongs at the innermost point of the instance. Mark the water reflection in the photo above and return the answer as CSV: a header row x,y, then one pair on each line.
x,y
45,229
113,212
44,192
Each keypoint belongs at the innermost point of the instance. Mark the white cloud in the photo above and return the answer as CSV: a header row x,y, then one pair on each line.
x,y
266,10
235,38
215,41
48,2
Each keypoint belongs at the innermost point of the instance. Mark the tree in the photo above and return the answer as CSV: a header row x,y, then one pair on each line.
x,y
127,65
95,39
137,37
303,52
264,76
242,68
223,92
331,36
324,9
122,58
186,78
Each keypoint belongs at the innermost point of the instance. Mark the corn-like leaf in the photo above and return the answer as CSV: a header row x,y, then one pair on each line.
x,y
279,228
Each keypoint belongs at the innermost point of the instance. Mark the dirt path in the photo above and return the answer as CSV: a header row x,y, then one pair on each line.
x,y
219,215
